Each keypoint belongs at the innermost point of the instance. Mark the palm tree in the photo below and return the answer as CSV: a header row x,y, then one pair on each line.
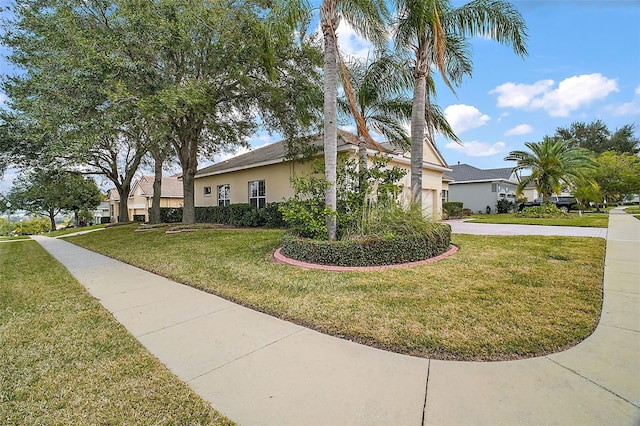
x,y
379,99
554,164
368,19
437,34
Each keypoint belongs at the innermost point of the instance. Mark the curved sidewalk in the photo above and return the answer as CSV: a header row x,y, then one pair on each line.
x,y
257,369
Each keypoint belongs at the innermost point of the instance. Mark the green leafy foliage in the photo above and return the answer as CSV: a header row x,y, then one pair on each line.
x,y
504,206
545,211
359,191
371,251
452,209
241,215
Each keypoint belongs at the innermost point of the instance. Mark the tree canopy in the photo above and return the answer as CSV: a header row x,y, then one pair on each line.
x,y
50,192
597,137
98,75
554,164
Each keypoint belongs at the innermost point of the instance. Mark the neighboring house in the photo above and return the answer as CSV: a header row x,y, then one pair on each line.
x,y
113,198
141,198
102,211
264,175
479,190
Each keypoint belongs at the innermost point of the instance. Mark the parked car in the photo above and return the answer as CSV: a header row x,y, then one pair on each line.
x,y
563,203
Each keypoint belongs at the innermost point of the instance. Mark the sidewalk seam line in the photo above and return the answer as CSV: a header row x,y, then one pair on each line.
x,y
595,383
619,328
426,390
245,355
184,321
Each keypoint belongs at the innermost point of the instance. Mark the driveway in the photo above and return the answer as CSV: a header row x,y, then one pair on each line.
x,y
462,226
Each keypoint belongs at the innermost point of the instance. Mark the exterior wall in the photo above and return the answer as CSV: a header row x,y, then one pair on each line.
x,y
477,196
277,179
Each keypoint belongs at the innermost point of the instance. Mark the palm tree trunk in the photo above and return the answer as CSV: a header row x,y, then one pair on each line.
x,y
417,138
329,21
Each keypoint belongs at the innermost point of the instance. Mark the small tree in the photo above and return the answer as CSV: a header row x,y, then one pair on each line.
x,y
50,192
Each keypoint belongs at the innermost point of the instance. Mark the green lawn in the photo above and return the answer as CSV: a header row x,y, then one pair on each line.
x,y
499,297
594,220
17,237
67,231
632,210
65,360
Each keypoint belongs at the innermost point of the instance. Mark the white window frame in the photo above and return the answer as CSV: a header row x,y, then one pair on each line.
x,y
225,199
257,198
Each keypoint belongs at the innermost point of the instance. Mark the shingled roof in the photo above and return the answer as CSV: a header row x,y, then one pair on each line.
x,y
273,153
467,173
171,186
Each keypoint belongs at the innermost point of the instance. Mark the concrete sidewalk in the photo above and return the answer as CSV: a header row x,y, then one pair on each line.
x,y
257,369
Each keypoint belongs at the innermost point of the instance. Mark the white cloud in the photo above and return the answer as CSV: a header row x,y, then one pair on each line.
x,y
350,43
464,117
519,96
629,108
478,149
520,129
571,94
638,90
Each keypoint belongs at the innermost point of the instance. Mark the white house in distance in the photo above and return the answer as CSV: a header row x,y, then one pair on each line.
x,y
479,190
264,175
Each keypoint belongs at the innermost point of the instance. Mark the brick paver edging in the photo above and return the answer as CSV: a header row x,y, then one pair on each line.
x,y
278,257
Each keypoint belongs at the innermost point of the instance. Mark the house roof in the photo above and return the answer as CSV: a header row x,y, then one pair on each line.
x,y
277,152
112,194
171,187
467,173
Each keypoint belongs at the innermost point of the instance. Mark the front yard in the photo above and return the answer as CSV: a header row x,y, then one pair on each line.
x,y
64,359
497,298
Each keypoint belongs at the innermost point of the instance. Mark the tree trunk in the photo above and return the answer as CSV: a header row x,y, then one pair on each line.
x,y
123,211
329,23
187,153
188,207
52,218
417,138
154,216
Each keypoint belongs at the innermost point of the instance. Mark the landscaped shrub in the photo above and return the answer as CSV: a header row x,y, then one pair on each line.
x,y
170,214
504,206
235,215
545,211
370,251
453,209
271,217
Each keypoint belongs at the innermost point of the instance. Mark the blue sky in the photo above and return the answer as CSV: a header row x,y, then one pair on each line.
x,y
583,64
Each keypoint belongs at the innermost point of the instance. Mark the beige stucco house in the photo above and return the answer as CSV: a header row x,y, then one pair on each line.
x,y
264,175
141,197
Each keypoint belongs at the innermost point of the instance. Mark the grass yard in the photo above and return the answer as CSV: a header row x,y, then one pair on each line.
x,y
632,210
67,231
65,360
593,220
499,297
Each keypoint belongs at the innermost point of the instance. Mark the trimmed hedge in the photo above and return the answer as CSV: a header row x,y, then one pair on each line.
x,y
241,215
453,209
372,251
